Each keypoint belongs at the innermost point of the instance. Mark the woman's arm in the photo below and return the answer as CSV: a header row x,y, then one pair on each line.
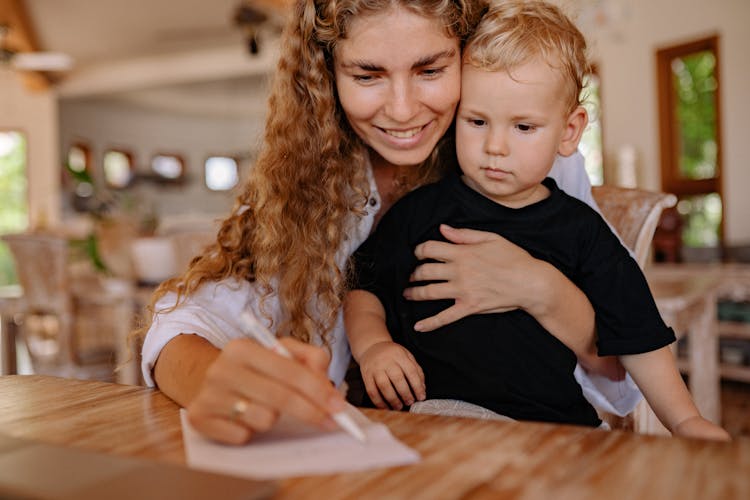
x,y
182,365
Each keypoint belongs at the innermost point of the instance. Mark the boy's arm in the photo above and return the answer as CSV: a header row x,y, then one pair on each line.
x,y
657,376
389,370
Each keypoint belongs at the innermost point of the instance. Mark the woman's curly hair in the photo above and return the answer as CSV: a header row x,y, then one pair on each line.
x,y
292,215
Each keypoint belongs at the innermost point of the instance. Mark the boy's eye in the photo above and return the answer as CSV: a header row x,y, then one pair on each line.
x,y
477,122
525,127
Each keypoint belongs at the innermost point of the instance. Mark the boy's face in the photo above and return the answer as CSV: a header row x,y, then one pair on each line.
x,y
509,130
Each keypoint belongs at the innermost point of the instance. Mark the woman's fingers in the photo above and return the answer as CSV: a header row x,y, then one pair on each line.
x,y
447,251
432,271
433,291
221,430
313,356
436,250
466,236
248,387
290,375
444,317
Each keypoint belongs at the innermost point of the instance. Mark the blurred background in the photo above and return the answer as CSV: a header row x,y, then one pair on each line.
x,y
125,127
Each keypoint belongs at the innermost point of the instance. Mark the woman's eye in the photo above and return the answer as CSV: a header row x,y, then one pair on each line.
x,y
525,127
363,78
431,72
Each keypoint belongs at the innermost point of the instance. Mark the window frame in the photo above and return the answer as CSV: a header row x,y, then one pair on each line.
x,y
157,177
669,144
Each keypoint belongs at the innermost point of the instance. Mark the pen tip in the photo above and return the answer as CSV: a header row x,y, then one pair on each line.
x,y
348,425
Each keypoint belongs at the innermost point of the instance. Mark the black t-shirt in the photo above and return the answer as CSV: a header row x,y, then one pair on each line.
x,y
508,362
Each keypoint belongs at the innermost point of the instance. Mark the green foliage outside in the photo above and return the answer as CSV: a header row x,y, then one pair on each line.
x,y
591,141
695,86
14,211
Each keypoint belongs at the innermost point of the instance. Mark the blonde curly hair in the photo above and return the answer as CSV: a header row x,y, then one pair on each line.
x,y
291,217
513,32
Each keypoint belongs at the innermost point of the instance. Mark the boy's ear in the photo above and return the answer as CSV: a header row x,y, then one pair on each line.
x,y
574,127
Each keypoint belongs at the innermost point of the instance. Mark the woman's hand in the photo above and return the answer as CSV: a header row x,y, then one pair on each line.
x,y
247,387
392,376
483,272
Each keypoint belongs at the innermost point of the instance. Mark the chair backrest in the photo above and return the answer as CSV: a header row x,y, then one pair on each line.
x,y
634,215
41,265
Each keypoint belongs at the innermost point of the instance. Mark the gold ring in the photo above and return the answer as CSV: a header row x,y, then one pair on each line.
x,y
238,409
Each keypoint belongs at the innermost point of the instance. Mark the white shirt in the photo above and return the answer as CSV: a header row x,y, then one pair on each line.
x,y
211,311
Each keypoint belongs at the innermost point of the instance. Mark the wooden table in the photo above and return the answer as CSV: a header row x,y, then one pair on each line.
x,y
461,458
686,297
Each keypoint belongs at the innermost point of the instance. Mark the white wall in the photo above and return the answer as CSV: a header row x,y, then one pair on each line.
x,y
102,124
35,115
626,55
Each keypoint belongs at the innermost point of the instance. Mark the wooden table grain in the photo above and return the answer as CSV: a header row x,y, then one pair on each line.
x,y
461,458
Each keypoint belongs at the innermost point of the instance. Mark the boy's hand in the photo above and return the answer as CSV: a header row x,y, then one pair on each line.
x,y
391,375
700,428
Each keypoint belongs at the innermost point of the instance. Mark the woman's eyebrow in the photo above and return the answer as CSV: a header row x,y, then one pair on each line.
x,y
433,58
421,62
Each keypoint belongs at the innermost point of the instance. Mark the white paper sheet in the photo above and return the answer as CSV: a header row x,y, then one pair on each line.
x,y
294,449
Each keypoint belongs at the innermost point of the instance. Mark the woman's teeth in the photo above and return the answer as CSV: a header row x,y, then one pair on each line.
x,y
403,134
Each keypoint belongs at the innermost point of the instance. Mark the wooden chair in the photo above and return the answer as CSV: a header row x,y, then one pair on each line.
x,y
71,324
634,215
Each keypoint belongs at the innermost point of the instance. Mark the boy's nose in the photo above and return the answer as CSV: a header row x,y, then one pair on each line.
x,y
496,143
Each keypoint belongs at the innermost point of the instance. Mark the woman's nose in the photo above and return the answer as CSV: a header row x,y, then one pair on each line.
x,y
403,102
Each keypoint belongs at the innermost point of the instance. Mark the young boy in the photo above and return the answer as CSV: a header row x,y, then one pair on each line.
x,y
521,82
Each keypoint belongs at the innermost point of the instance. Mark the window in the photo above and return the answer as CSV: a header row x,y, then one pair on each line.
x,y
591,141
168,168
14,209
79,158
690,138
118,168
222,173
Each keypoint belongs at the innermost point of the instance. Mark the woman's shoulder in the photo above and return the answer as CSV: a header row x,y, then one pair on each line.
x,y
225,296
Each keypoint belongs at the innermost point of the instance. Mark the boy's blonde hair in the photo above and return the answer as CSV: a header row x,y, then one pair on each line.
x,y
514,32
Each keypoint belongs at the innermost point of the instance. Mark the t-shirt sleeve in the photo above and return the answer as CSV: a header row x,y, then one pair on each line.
x,y
627,319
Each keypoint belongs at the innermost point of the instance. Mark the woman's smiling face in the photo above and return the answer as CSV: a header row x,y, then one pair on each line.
x,y
398,77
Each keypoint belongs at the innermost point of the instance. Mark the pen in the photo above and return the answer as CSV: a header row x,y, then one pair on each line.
x,y
251,326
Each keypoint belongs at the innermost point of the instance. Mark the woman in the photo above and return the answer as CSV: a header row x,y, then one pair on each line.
x,y
364,94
